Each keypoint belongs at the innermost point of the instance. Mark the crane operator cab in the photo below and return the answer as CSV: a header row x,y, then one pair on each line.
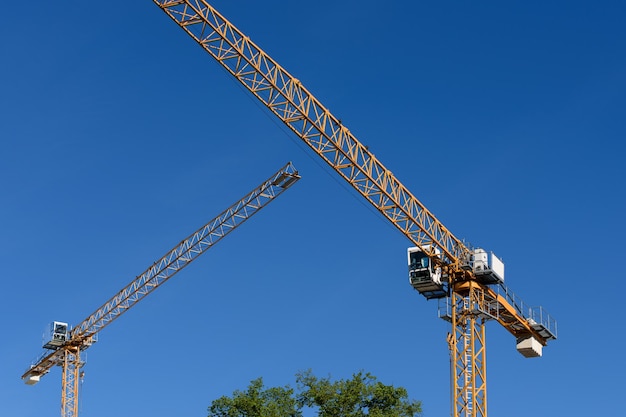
x,y
56,336
424,276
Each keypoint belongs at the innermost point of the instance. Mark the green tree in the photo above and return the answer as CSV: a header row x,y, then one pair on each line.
x,y
360,396
257,402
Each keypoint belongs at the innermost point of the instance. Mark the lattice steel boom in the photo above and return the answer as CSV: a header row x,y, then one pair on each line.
x,y
286,97
68,354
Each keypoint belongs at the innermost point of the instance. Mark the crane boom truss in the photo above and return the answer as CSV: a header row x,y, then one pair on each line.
x,y
175,260
295,106
301,112
288,99
184,253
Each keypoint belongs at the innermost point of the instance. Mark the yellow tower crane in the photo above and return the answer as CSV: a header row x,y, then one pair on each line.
x,y
65,347
468,281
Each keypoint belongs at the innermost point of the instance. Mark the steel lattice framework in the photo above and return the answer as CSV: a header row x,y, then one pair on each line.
x,y
467,350
286,97
471,303
83,334
71,364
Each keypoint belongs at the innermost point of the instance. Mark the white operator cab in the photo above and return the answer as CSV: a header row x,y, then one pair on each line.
x,y
425,276
56,336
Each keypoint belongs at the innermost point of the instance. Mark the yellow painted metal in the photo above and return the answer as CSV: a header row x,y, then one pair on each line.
x,y
496,306
286,97
467,355
83,335
293,104
69,391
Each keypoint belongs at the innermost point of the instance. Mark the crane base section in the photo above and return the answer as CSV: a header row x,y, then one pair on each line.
x,y
529,347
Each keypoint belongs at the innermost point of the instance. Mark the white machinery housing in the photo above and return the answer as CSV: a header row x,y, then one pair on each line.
x,y
487,267
424,275
529,347
56,336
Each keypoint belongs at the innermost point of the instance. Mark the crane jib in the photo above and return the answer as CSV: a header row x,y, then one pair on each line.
x,y
454,272
292,103
83,334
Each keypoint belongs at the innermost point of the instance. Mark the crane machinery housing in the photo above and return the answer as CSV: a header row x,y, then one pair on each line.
x,y
65,347
469,282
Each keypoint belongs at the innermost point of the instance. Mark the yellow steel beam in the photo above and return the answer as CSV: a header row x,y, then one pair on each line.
x,y
467,356
301,112
286,97
69,390
83,335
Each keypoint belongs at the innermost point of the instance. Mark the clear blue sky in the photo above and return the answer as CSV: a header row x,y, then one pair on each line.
x,y
120,136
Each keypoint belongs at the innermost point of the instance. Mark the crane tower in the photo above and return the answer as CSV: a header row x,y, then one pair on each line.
x,y
468,281
65,347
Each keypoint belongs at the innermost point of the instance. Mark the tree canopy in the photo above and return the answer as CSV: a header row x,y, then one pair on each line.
x,y
257,401
360,396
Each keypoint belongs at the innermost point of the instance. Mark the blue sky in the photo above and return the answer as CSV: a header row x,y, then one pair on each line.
x,y
120,137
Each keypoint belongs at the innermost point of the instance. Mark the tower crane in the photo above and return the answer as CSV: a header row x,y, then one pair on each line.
x,y
65,346
469,282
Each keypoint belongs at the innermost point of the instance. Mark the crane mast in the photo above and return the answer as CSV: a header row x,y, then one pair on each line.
x,y
65,347
470,297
